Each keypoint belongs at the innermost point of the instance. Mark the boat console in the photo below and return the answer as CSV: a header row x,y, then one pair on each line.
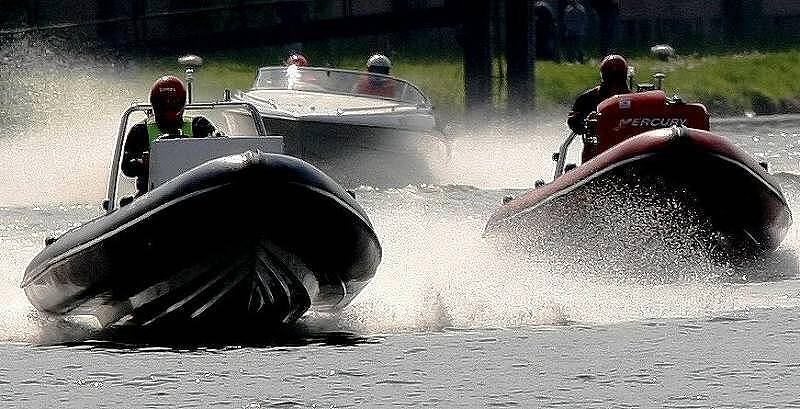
x,y
622,117
171,157
244,131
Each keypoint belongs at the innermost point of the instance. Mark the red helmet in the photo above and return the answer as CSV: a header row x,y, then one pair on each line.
x,y
614,68
168,97
297,59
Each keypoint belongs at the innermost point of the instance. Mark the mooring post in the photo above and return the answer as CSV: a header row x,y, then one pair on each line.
x,y
477,56
520,55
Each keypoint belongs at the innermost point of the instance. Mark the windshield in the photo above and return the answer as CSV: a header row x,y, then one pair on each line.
x,y
339,82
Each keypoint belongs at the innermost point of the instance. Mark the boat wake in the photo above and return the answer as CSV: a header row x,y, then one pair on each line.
x,y
439,273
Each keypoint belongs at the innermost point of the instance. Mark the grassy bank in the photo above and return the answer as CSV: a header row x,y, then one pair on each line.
x,y
728,84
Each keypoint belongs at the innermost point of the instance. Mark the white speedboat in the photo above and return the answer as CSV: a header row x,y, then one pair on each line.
x,y
358,127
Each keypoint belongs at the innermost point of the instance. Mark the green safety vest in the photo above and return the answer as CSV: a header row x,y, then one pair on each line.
x,y
153,131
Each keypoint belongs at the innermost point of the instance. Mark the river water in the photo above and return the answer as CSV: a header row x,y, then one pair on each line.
x,y
448,320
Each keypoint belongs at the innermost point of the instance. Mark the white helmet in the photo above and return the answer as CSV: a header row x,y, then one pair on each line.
x,y
379,60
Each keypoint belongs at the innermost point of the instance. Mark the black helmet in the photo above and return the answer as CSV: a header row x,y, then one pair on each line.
x,y
379,63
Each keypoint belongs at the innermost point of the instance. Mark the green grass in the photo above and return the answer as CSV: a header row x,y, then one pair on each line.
x,y
728,84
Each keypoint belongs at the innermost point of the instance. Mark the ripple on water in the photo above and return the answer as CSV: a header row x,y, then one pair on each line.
x,y
152,381
397,382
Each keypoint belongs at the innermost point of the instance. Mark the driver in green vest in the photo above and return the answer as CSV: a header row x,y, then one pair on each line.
x,y
168,97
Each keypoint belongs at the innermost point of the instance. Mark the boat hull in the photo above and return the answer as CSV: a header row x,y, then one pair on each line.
x,y
356,155
248,237
719,184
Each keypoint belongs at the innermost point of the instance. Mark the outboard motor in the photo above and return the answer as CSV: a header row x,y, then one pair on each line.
x,y
624,116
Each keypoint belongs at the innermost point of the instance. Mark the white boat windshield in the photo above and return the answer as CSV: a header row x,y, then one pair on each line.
x,y
337,81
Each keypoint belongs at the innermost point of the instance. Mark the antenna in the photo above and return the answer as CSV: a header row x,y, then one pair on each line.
x,y
192,63
659,80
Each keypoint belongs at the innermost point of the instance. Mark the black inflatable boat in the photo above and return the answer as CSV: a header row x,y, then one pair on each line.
x,y
249,236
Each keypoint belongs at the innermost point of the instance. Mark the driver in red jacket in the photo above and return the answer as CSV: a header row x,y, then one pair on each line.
x,y
378,85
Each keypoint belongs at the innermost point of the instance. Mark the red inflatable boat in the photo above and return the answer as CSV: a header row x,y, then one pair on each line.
x,y
648,139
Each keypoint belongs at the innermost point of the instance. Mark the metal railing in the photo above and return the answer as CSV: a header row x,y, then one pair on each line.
x,y
123,127
562,155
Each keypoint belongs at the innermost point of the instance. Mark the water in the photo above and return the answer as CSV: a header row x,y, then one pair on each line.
x,y
448,320
741,360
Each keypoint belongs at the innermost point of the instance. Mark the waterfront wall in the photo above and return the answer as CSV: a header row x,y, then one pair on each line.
x,y
130,22
713,21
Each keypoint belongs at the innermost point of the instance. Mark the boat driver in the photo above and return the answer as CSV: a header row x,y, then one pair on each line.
x,y
295,78
614,74
168,97
296,59
375,84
